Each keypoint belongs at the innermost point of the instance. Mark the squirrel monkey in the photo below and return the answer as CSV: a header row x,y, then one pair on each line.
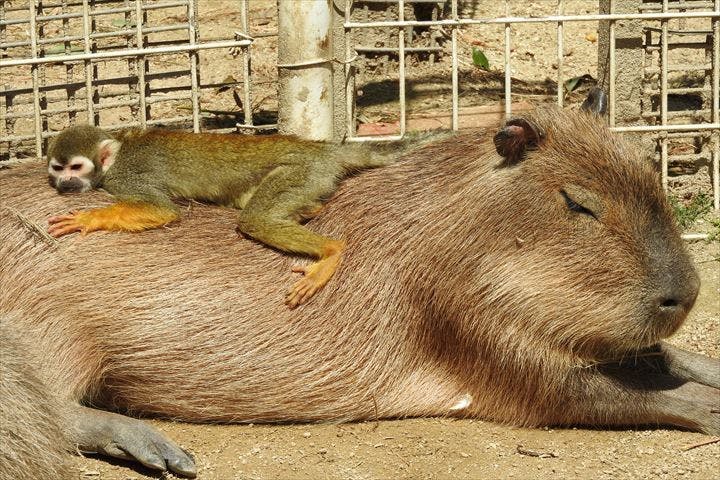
x,y
276,182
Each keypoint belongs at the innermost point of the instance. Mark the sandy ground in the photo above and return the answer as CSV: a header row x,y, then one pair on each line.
x,y
436,448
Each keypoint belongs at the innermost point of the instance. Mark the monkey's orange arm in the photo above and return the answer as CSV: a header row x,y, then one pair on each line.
x,y
123,216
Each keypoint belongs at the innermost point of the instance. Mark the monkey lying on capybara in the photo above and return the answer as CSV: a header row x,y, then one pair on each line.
x,y
539,283
275,181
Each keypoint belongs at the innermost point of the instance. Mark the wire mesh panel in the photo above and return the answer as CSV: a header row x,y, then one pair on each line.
x,y
677,42
118,63
407,63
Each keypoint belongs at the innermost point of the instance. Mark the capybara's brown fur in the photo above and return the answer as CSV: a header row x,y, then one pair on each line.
x,y
33,439
464,278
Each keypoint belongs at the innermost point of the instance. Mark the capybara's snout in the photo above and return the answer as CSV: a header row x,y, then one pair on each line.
x,y
674,288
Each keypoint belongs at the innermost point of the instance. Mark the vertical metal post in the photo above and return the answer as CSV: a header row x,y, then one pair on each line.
x,y
664,96
612,97
455,86
89,96
69,76
35,80
305,90
508,72
560,54
194,83
7,105
401,65
349,80
247,100
140,62
716,106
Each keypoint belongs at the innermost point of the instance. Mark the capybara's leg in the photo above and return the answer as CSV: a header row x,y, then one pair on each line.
x,y
127,438
691,366
637,391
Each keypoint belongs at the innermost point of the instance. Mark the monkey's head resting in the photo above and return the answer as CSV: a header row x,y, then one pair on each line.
x,y
79,157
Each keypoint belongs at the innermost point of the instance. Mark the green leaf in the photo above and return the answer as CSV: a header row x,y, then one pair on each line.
x,y
59,49
121,22
479,59
573,83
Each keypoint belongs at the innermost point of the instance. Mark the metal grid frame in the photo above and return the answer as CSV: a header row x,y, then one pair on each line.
x,y
136,50
664,129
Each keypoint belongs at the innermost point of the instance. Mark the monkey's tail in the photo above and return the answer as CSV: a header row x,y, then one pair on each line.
x,y
380,154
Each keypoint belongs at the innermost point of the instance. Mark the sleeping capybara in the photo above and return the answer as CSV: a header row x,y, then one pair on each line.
x,y
538,282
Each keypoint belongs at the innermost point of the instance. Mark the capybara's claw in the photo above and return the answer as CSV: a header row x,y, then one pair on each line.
x,y
131,439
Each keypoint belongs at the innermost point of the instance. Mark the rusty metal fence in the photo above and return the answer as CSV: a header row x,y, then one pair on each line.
x,y
110,63
650,19
83,58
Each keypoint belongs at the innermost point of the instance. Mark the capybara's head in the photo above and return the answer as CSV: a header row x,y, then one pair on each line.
x,y
571,242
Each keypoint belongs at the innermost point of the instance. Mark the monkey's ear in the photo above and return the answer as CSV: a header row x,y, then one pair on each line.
x,y
596,102
515,138
107,149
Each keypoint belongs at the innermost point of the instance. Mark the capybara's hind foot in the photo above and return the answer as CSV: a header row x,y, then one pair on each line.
x,y
316,276
129,439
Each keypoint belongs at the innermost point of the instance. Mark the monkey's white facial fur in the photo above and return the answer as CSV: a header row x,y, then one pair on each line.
x,y
108,149
73,176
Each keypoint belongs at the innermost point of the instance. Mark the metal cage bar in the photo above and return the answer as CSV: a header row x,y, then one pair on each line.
x,y
670,124
455,82
35,79
76,42
245,51
664,97
716,106
560,55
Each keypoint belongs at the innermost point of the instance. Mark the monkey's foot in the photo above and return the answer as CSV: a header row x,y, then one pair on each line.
x,y
130,439
316,276
63,224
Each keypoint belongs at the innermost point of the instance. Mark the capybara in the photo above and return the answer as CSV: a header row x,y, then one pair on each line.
x,y
537,284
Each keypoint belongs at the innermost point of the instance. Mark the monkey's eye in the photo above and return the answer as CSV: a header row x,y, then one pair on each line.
x,y
575,206
76,166
57,168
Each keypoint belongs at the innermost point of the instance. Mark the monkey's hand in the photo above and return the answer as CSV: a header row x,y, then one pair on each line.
x,y
316,276
123,216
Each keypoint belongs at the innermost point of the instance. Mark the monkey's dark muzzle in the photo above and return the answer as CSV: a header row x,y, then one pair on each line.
x,y
72,185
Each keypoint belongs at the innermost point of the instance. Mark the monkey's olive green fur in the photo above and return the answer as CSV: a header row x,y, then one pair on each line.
x,y
276,182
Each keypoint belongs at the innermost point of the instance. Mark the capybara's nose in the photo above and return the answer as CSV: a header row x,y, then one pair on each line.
x,y
677,300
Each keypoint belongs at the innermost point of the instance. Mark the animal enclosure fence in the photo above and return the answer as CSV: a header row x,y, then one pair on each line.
x,y
109,63
120,63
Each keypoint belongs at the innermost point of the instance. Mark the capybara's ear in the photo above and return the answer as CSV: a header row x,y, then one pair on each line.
x,y
517,136
596,101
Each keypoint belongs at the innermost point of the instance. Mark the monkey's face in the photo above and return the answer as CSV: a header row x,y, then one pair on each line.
x,y
79,157
74,175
